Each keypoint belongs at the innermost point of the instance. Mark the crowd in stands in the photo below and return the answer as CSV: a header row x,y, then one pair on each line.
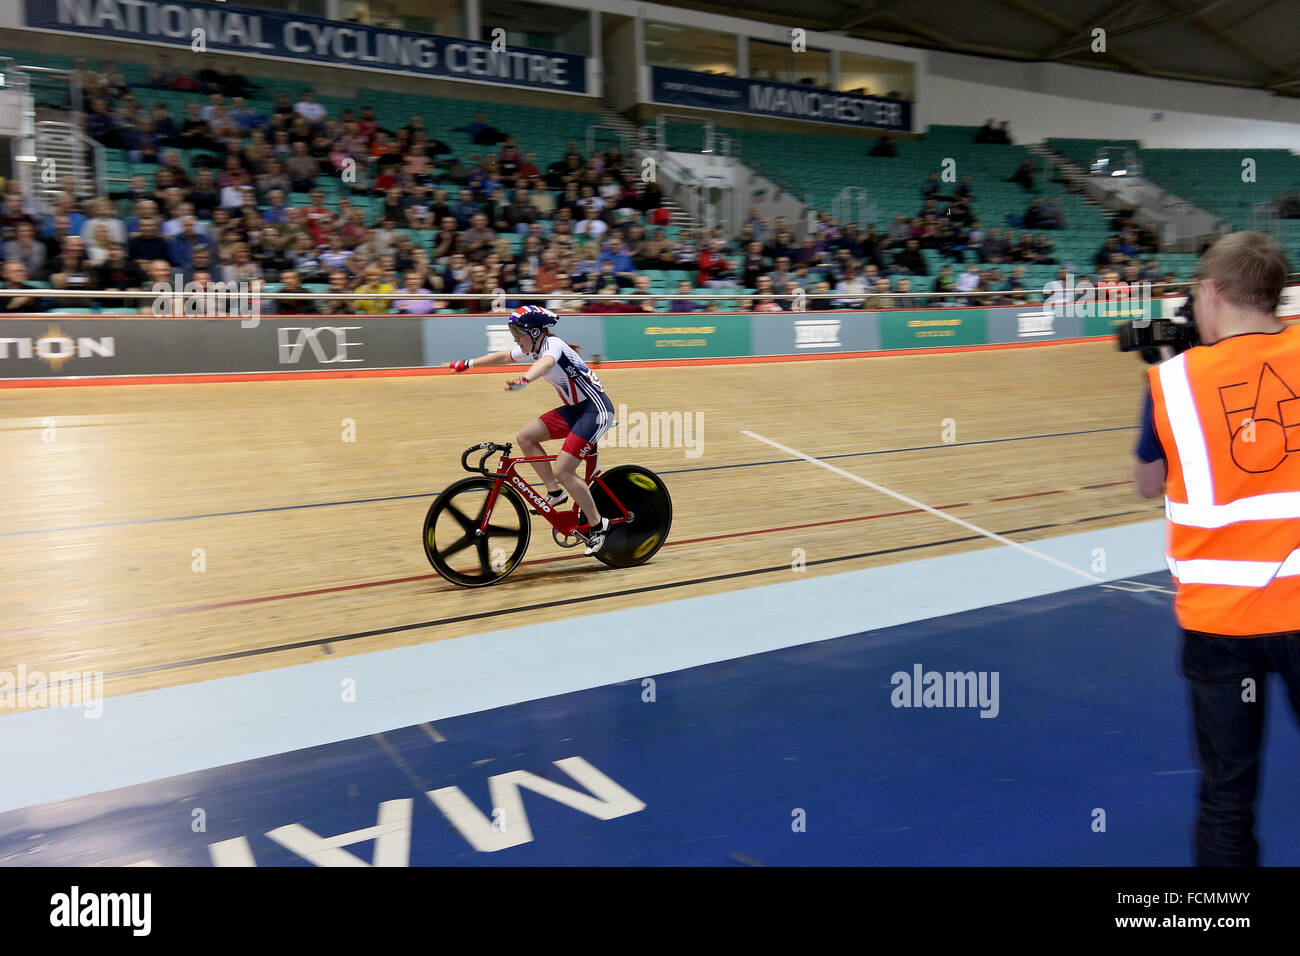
x,y
412,217
1288,206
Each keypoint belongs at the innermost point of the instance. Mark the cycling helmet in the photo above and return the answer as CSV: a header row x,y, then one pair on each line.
x,y
532,319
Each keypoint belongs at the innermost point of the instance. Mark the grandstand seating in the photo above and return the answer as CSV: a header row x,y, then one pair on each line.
x,y
1210,179
813,166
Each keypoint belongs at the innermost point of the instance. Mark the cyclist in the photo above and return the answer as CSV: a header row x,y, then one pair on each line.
x,y
587,412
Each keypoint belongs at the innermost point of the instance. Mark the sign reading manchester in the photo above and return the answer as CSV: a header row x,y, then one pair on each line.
x,y
706,91
273,33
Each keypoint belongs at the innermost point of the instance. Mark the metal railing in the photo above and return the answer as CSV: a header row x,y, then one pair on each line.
x,y
854,205
618,134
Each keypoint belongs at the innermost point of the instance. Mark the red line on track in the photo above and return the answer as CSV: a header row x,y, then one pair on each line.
x,y
198,608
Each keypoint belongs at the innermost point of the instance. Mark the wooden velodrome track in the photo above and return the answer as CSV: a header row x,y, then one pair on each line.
x,y
311,544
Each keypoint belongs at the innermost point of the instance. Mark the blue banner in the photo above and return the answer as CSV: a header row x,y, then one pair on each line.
x,y
706,91
233,29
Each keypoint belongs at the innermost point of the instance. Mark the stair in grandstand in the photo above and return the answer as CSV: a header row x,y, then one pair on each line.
x,y
62,145
1114,176
633,139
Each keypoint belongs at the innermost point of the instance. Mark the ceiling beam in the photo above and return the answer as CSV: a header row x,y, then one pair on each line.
x,y
943,40
1072,29
1232,39
1078,46
867,14
1117,12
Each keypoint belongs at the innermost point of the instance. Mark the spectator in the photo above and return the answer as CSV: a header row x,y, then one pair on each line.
x,y
592,225
1024,175
988,133
163,76
15,277
881,298
148,245
476,284
70,269
181,248
26,249
103,216
969,281
484,134
338,282
884,147
903,300
101,125
682,304
641,285
241,268
562,300
1108,249
911,260
478,239
851,289
618,257
763,301
944,283
117,272
302,168
415,306
307,107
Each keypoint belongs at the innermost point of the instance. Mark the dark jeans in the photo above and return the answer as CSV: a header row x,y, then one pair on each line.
x,y
1229,733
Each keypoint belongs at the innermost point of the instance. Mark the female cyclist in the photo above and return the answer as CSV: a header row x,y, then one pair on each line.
x,y
587,412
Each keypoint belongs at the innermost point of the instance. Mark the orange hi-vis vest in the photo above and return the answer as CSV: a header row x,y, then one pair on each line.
x,y
1228,418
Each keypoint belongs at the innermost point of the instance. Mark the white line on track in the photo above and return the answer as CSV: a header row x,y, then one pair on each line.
x,y
924,507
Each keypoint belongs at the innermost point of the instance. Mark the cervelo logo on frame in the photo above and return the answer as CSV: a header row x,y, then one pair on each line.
x,y
334,348
537,500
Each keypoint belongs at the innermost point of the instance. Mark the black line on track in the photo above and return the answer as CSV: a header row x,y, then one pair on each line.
x,y
434,494
500,612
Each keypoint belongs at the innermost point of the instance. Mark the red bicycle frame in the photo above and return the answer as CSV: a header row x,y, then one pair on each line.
x,y
565,522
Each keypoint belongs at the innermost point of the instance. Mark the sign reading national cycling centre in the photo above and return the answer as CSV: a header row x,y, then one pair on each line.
x,y
707,91
273,33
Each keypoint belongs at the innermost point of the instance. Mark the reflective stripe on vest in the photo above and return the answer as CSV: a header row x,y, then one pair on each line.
x,y
1228,417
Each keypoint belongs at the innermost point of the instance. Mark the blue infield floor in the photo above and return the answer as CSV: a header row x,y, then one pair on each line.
x,y
792,756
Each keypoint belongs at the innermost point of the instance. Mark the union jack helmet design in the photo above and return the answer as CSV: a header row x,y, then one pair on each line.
x,y
532,319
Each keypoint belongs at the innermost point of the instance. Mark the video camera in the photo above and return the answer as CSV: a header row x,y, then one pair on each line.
x,y
1148,336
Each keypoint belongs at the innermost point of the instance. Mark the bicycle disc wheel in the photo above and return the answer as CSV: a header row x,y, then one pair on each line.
x,y
643,493
457,552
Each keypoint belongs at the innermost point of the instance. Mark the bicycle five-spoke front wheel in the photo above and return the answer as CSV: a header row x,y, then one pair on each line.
x,y
454,547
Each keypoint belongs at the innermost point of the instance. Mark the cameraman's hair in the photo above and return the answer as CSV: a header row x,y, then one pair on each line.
x,y
1249,269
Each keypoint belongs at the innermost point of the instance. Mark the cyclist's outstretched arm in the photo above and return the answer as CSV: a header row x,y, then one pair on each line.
x,y
492,358
540,368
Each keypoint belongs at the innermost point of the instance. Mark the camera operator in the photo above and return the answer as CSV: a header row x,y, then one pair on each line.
x,y
1221,433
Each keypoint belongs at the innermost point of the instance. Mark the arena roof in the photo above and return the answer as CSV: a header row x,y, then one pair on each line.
x,y
1247,43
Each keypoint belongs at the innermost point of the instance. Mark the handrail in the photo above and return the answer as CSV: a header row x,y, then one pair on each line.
x,y
720,294
591,137
661,128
